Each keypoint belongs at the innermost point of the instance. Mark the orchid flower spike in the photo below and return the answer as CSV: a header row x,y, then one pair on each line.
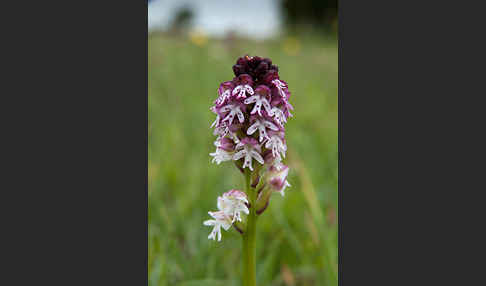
x,y
251,112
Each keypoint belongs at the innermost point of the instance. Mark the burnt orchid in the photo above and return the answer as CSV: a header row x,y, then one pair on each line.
x,y
251,112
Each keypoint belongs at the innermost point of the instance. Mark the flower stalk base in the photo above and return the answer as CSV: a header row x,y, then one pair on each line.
x,y
249,237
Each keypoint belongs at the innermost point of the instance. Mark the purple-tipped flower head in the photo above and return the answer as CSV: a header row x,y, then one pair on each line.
x,y
251,112
253,105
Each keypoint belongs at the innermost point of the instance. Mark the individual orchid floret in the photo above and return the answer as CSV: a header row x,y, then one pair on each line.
x,y
215,111
224,92
261,92
243,86
277,178
220,220
261,125
222,130
279,116
287,107
281,86
277,144
232,203
274,180
221,155
251,150
234,109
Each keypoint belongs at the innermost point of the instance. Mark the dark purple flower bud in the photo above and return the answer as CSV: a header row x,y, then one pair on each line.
x,y
256,67
254,62
241,66
261,70
269,76
243,79
267,61
243,61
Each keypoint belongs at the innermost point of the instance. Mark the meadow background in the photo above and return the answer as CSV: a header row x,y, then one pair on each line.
x,y
297,234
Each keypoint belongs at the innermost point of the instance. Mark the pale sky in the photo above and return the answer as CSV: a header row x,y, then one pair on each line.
x,y
254,18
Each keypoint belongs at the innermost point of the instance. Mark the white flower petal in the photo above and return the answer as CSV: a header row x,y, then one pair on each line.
x,y
247,162
258,108
236,90
221,155
262,133
239,155
240,115
253,128
257,156
225,108
251,99
267,106
215,121
209,222
249,89
270,125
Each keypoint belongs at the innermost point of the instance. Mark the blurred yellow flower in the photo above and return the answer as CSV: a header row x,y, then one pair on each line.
x,y
291,46
198,37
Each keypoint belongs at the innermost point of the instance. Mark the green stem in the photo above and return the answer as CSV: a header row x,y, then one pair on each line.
x,y
249,241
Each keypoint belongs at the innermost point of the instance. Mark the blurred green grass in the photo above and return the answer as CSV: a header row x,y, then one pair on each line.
x,y
297,235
